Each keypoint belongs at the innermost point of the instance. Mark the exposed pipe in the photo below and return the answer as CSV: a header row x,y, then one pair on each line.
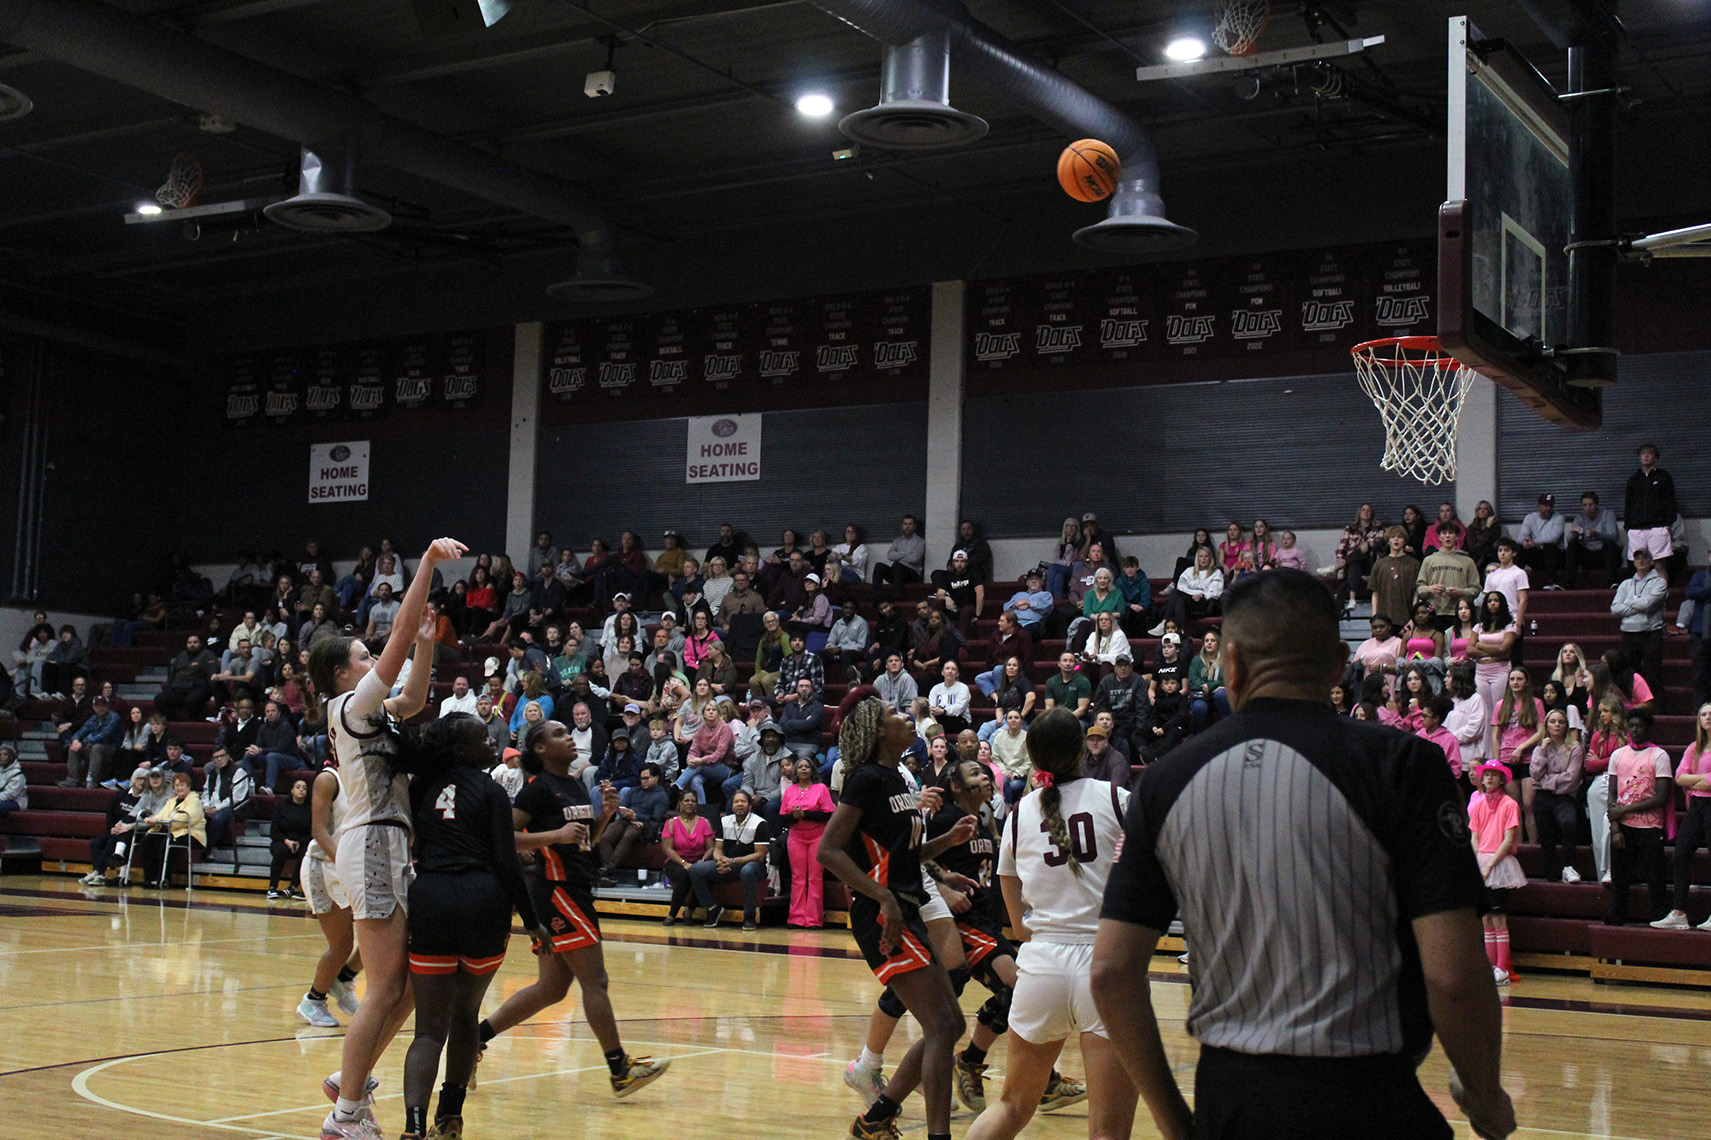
x,y
107,41
1135,220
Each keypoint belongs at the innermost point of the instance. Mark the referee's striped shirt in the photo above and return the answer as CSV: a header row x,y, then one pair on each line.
x,y
1298,846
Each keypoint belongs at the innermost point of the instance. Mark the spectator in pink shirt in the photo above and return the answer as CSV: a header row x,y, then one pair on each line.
x,y
1447,531
1377,654
1641,781
1693,776
1432,717
1289,556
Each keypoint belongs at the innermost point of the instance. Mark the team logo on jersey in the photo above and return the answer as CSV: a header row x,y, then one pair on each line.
x,y
1452,821
559,924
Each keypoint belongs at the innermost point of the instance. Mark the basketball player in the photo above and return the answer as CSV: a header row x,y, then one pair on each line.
x,y
468,879
332,909
1058,849
968,936
372,856
872,843
553,817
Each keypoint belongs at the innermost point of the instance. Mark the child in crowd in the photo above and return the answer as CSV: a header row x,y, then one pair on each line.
x,y
508,773
1496,822
1433,714
1171,717
662,749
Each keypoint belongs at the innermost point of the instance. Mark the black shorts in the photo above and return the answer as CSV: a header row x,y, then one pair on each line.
x,y
914,952
567,911
458,922
982,937
1239,1095
1495,898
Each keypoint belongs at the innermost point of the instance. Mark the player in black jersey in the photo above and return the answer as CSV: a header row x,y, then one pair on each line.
x,y
873,844
468,879
554,817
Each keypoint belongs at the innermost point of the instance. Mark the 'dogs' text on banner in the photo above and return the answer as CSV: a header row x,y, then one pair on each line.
x,y
338,472
723,449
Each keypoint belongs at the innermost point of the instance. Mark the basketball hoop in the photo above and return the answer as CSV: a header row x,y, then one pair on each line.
x,y
1418,389
1239,24
183,182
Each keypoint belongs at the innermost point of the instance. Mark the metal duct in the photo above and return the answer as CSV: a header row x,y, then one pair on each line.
x,y
326,200
106,41
1135,221
914,111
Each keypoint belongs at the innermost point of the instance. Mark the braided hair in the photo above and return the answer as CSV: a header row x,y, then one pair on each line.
x,y
1055,744
858,723
526,741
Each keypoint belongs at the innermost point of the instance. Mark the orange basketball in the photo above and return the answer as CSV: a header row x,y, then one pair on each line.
x,y
1088,170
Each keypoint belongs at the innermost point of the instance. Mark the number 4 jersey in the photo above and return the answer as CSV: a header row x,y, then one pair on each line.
x,y
1063,906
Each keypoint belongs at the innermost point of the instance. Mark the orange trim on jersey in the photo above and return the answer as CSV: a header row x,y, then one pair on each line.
x,y
433,963
909,956
480,966
554,865
880,858
977,944
582,934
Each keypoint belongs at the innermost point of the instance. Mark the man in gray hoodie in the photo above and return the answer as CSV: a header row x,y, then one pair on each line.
x,y
762,775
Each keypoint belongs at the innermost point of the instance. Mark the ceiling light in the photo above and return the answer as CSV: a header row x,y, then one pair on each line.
x,y
148,208
816,105
1185,48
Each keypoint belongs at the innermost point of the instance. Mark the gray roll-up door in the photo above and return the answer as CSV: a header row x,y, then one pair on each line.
x,y
820,467
1297,451
1663,398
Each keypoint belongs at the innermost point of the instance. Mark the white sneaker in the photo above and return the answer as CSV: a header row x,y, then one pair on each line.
x,y
1183,957
1500,975
1570,875
1706,925
867,1083
361,1127
93,879
1605,878
345,994
1674,920
315,1013
1157,630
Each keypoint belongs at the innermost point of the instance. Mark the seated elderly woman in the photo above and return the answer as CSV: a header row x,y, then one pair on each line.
x,y
147,791
181,815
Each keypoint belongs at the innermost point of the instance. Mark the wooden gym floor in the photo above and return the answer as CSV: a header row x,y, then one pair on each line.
x,y
138,1015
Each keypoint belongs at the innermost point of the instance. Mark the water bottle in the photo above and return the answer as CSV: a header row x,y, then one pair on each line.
x,y
1533,625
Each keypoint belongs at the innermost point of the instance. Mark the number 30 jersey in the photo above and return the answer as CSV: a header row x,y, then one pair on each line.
x,y
1063,906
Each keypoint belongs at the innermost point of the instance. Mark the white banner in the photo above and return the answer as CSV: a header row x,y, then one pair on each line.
x,y
338,472
723,449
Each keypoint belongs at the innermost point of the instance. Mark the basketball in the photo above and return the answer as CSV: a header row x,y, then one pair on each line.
x,y
1088,170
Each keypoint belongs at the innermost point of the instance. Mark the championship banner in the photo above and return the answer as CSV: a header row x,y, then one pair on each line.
x,y
338,472
723,449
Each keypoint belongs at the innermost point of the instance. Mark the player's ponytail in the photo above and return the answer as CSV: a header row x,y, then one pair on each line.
x,y
1055,744
532,735
450,741
326,657
859,719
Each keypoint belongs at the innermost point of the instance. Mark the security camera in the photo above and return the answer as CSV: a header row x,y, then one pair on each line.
x,y
599,83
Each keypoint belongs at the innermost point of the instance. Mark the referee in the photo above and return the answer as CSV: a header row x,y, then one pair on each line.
x,y
1329,897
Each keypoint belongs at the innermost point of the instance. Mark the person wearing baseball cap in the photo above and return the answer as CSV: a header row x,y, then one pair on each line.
x,y
1032,604
1092,532
1541,541
815,612
1495,818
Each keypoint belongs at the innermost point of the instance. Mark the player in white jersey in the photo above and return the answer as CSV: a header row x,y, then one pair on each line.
x,y
372,856
1056,851
331,907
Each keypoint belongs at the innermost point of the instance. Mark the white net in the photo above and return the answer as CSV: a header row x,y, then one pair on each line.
x,y
1418,389
183,182
1238,24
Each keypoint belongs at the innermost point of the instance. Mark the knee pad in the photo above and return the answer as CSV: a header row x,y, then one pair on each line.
x,y
891,1005
959,979
988,977
995,1012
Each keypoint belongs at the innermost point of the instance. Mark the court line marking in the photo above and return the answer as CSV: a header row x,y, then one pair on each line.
x,y
139,943
80,1085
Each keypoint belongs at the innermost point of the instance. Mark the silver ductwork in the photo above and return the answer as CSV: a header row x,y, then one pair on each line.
x,y
914,111
1135,221
106,41
326,200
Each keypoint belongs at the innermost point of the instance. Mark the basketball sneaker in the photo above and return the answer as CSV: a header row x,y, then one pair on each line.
x,y
1062,1092
639,1072
971,1084
360,1127
345,994
867,1083
316,1014
330,1087
1674,920
446,1128
1570,875
1500,975
864,1129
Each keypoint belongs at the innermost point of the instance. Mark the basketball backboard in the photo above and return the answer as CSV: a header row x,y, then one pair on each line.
x,y
1504,227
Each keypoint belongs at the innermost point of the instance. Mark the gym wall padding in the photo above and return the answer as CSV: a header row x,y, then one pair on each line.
x,y
820,467
1662,398
1299,451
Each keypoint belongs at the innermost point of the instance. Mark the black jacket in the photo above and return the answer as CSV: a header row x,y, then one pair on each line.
x,y
1650,501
